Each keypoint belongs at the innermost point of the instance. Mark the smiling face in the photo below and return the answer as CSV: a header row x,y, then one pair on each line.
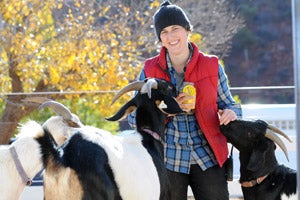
x,y
174,38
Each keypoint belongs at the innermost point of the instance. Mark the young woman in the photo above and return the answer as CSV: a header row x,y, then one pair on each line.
x,y
195,149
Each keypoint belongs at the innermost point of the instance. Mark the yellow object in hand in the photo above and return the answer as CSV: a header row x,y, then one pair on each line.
x,y
191,91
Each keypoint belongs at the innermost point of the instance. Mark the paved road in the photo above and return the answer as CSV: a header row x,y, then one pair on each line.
x,y
36,193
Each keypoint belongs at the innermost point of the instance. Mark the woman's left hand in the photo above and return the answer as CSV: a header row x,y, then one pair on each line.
x,y
226,116
185,101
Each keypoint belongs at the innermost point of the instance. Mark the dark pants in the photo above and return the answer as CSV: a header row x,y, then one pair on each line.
x,y
210,184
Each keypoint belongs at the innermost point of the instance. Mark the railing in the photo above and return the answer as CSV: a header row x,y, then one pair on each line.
x,y
280,115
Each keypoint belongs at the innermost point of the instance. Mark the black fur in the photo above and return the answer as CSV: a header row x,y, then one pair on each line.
x,y
149,116
92,167
257,158
90,161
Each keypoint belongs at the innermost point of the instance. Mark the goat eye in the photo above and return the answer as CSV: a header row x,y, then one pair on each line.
x,y
273,184
249,134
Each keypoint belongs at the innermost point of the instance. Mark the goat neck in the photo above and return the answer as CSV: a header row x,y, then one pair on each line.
x,y
280,184
258,163
19,166
27,149
259,168
149,116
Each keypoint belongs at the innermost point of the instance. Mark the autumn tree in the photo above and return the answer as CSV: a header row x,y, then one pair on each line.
x,y
81,51
60,47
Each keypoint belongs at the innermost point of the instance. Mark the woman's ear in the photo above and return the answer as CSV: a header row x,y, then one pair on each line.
x,y
188,34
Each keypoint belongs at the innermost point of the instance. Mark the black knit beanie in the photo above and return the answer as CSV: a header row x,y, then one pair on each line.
x,y
169,14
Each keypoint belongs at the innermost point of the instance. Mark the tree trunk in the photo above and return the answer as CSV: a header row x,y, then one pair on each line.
x,y
14,111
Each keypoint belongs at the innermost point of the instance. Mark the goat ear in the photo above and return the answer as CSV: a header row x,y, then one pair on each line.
x,y
256,160
172,106
123,111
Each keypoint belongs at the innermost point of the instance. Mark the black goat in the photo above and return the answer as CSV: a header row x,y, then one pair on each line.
x,y
261,177
93,164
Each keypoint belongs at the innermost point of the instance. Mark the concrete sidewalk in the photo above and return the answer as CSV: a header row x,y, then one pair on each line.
x,y
235,192
234,188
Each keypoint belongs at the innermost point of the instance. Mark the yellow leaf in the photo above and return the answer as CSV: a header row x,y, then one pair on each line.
x,y
59,6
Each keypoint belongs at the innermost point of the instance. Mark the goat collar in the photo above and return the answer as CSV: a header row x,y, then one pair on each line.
x,y
153,134
19,166
254,182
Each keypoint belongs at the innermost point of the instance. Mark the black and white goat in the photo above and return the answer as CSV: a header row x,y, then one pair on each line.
x,y
93,164
22,160
261,176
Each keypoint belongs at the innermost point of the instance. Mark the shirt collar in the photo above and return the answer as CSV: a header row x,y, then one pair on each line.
x,y
169,64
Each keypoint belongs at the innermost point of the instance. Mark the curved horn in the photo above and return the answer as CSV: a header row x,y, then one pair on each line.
x,y
123,112
277,130
130,87
39,100
58,108
269,134
151,83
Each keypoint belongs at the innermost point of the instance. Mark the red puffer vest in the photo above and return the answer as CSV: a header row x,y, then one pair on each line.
x,y
202,70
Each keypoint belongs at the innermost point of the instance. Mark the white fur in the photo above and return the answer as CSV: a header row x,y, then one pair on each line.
x,y
291,197
29,155
28,151
133,167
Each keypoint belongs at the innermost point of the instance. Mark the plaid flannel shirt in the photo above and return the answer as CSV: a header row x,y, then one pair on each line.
x,y
185,142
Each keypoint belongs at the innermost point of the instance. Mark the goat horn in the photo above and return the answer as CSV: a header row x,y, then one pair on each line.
x,y
137,85
58,108
270,134
277,130
151,83
39,100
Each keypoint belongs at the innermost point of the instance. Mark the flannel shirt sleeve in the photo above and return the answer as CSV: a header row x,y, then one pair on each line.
x,y
225,99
